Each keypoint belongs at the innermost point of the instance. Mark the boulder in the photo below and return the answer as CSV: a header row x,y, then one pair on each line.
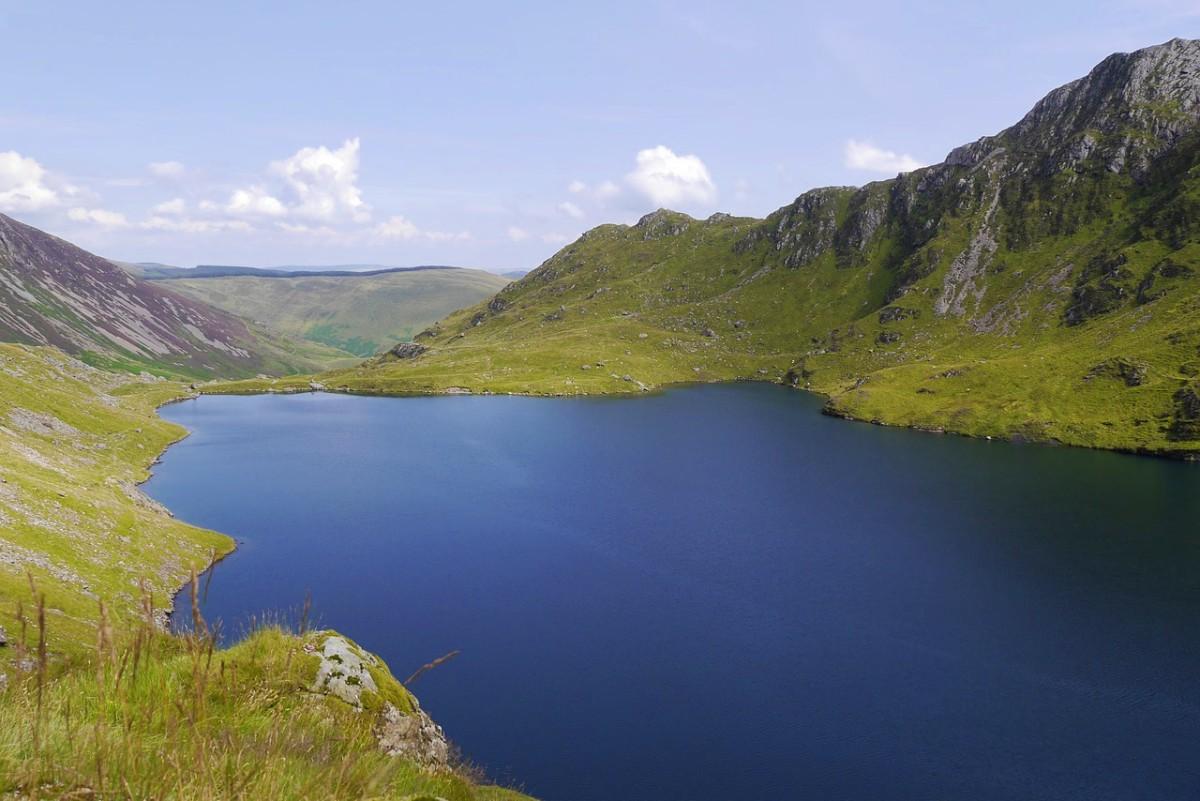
x,y
343,671
348,673
407,350
1132,374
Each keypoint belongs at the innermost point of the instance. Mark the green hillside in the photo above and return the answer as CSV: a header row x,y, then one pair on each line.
x,y
96,699
1042,284
357,314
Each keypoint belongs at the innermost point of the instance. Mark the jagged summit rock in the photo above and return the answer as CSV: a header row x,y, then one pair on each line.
x,y
1129,108
663,223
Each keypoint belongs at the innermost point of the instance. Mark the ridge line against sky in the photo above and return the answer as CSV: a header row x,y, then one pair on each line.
x,y
472,134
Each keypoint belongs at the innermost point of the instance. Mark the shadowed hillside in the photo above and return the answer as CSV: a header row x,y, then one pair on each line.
x,y
53,293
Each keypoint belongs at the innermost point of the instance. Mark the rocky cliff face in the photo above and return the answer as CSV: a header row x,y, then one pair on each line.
x,y
1082,150
53,293
1127,111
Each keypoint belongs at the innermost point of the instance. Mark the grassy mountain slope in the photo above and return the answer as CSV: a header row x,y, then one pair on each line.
x,y
74,443
53,293
1041,284
98,701
359,314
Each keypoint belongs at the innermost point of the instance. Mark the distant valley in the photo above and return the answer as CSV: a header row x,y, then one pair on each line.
x,y
358,312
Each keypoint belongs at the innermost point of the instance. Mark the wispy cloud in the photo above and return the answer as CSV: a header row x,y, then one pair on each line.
x,y
861,155
571,210
166,169
101,217
401,228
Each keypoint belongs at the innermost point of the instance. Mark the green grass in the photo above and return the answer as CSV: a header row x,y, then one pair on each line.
x,y
147,715
74,443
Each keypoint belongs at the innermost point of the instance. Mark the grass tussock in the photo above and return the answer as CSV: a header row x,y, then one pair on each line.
x,y
150,715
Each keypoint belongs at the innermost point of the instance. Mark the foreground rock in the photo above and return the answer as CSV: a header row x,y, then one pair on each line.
x,y
356,677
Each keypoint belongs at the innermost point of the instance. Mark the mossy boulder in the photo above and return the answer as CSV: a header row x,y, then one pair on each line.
x,y
341,669
346,671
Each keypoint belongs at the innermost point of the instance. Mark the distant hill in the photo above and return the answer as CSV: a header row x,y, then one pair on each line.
x,y
1039,284
515,274
163,272
358,312
54,293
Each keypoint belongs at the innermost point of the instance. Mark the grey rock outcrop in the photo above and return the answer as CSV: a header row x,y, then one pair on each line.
x,y
343,672
407,350
663,223
413,736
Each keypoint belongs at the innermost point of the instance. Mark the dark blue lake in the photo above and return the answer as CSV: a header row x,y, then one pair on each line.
x,y
718,593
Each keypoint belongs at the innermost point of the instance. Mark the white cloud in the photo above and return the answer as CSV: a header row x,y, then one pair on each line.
x,y
571,210
577,187
190,226
23,184
255,201
866,156
606,190
311,230
166,169
668,179
398,227
175,206
517,234
444,236
324,182
316,184
100,217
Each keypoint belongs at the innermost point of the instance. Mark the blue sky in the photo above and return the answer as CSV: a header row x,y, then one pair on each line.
x,y
490,134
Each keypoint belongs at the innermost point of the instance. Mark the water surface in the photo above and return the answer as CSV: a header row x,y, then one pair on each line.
x,y
718,593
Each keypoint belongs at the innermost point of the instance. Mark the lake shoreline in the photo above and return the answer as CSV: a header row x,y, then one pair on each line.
x,y
148,469
828,408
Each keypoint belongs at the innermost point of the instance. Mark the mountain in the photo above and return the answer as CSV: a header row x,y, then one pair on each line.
x,y
1039,284
356,312
54,293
